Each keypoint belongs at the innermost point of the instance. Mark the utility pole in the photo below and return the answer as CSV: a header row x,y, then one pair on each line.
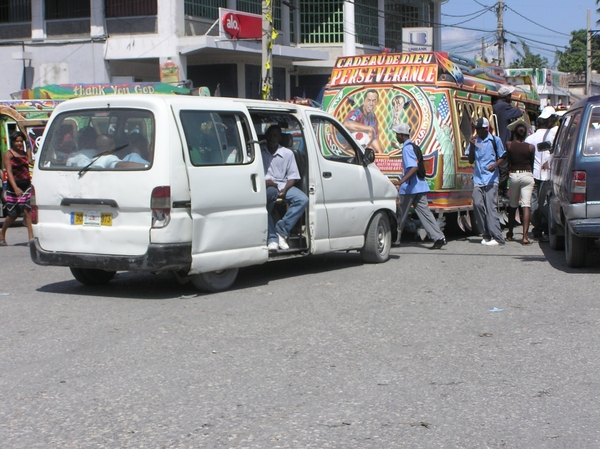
x,y
482,49
500,33
588,60
268,36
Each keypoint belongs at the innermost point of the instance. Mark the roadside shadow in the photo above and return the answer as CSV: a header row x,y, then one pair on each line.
x,y
162,286
556,259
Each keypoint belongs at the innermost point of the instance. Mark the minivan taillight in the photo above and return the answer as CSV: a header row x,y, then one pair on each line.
x,y
160,203
578,186
34,208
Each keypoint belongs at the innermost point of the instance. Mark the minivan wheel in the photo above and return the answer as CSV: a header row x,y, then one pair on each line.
x,y
378,240
575,249
92,276
215,281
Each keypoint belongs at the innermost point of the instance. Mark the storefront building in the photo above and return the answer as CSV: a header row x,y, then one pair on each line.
x,y
209,43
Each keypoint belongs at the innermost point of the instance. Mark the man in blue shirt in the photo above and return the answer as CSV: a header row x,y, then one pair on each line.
x,y
487,157
413,190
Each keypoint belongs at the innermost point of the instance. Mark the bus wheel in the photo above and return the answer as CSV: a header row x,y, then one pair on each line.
x,y
215,281
378,240
91,276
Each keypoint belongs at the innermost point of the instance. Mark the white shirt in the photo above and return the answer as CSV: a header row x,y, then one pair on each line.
x,y
280,166
81,160
541,157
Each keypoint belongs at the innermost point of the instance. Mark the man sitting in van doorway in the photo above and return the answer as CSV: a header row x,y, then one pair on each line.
x,y
363,120
281,173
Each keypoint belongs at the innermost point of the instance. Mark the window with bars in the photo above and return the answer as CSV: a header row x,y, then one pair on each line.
x,y
400,14
12,11
129,8
366,22
321,22
255,7
207,9
66,9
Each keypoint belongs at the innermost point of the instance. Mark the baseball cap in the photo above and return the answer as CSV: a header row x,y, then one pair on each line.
x,y
482,123
547,112
505,91
401,128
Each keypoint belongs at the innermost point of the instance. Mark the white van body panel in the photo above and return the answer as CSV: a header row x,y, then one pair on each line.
x,y
130,230
218,217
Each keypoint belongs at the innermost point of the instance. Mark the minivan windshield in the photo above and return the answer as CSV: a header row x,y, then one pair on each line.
x,y
99,139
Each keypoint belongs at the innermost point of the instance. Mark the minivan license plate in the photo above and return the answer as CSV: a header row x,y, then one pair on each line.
x,y
91,218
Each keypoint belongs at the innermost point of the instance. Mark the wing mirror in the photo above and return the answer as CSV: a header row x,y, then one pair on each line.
x,y
369,157
545,146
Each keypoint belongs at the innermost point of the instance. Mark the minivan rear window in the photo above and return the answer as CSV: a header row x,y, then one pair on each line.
x,y
99,139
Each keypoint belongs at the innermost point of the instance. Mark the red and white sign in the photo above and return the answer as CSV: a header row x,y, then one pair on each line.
x,y
241,25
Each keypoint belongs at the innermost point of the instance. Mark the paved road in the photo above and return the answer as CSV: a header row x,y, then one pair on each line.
x,y
311,353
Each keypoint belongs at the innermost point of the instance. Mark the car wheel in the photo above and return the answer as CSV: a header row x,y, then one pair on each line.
x,y
575,249
378,240
92,276
215,281
557,242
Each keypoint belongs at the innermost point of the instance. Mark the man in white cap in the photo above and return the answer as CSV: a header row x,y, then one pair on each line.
x,y
487,153
546,131
505,113
413,190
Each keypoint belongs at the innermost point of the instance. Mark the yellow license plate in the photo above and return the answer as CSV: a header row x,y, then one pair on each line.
x,y
91,218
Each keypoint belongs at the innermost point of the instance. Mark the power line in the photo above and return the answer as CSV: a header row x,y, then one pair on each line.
x,y
466,15
535,23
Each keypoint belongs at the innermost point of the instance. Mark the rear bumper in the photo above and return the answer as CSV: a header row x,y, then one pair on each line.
x,y
589,227
159,257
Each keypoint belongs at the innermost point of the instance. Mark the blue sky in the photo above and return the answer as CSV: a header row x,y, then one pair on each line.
x,y
522,18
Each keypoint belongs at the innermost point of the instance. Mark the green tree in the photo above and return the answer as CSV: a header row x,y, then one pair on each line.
x,y
526,59
574,57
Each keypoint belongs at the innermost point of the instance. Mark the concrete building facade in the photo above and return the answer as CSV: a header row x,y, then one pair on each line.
x,y
114,41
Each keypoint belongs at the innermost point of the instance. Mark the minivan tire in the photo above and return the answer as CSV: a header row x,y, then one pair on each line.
x,y
92,276
575,249
378,240
215,281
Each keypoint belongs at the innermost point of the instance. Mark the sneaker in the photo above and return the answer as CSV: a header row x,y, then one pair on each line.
x,y
544,238
492,242
283,244
485,241
272,246
438,243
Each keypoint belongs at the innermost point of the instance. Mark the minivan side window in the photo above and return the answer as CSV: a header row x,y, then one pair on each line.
x,y
592,139
333,140
568,138
99,139
213,138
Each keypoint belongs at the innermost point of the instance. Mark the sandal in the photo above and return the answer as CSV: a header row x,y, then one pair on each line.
x,y
526,242
3,242
509,236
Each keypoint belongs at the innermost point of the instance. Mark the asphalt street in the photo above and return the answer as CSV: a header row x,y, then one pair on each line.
x,y
466,347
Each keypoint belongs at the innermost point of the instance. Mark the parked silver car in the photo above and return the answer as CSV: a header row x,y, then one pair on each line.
x,y
574,213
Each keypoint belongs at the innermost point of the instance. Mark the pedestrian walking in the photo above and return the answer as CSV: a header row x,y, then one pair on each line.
x,y
413,189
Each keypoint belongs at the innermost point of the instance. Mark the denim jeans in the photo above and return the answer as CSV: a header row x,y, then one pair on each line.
x,y
298,201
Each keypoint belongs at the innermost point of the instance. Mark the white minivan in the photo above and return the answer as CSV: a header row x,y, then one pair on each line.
x,y
182,188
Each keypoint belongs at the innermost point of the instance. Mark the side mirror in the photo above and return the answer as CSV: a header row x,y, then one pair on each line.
x,y
544,146
369,157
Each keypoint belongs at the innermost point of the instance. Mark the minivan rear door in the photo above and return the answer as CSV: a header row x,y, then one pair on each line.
x,y
227,187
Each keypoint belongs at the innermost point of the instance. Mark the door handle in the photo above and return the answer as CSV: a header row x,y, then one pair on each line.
x,y
326,174
253,177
